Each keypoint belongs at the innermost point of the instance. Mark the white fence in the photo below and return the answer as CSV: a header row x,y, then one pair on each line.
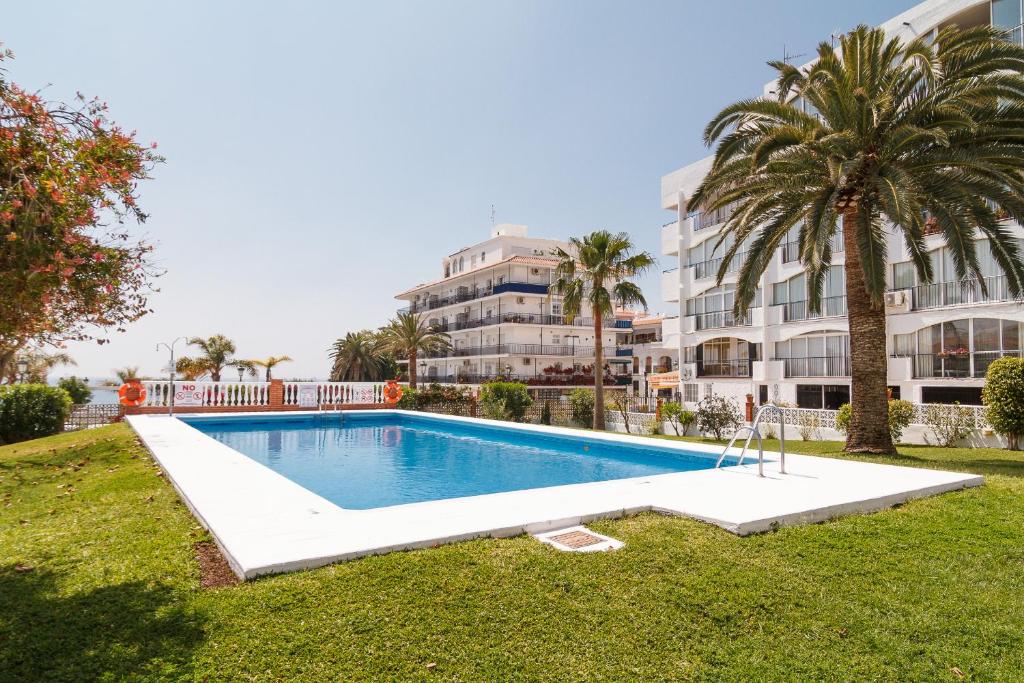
x,y
231,394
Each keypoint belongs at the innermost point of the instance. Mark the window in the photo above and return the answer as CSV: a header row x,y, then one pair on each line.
x,y
472,262
556,309
709,390
556,339
462,264
904,276
690,393
483,256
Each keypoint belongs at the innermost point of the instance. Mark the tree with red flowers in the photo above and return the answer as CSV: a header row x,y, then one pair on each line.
x,y
69,268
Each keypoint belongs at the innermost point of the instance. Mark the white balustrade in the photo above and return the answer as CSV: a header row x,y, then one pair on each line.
x,y
334,393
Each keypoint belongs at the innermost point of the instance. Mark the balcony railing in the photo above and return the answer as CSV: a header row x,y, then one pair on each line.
x,y
940,294
517,319
790,251
717,319
724,368
515,350
709,268
545,380
816,366
831,306
953,365
472,293
703,220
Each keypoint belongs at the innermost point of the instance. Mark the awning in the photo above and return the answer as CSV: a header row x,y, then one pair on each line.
x,y
663,380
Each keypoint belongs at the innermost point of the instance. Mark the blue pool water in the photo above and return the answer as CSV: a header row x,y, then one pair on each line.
x,y
375,460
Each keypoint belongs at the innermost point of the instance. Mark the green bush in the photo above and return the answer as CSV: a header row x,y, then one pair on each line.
x,y
679,417
901,413
77,389
505,400
1004,396
717,414
30,411
435,398
581,403
408,399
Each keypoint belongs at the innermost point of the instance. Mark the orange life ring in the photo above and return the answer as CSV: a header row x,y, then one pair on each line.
x,y
392,393
131,394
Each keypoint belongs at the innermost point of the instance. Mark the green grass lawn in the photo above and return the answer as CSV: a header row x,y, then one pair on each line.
x,y
98,581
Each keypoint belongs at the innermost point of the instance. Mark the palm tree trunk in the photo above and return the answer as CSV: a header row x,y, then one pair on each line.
x,y
869,424
412,368
598,373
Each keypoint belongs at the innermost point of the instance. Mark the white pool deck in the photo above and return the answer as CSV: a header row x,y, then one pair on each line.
x,y
265,523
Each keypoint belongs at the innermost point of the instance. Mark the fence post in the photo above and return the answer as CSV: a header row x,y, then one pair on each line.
x,y
275,395
750,407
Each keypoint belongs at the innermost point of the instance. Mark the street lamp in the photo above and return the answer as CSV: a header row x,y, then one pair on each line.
x,y
170,397
508,371
241,372
22,369
423,368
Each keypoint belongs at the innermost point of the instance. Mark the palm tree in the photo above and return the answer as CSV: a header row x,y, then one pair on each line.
x,y
358,357
919,133
129,372
407,335
267,363
217,354
595,275
40,364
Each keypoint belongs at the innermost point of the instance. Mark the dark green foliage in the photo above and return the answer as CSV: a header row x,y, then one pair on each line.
x,y
29,411
77,389
582,402
716,415
1004,396
505,400
545,413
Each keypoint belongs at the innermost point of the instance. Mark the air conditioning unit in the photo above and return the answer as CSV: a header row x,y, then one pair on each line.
x,y
520,299
897,302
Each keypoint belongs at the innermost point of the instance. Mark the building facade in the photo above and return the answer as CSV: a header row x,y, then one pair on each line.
x,y
493,301
941,336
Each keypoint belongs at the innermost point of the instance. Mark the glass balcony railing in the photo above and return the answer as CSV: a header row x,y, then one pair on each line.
x,y
705,220
472,293
709,268
514,350
816,366
790,251
716,319
939,294
725,368
956,364
831,306
466,323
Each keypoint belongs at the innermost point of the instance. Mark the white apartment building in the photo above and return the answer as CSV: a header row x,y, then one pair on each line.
x,y
492,299
941,336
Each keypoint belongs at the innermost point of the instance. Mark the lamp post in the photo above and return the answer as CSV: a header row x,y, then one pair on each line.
x,y
508,372
423,368
241,372
22,370
170,396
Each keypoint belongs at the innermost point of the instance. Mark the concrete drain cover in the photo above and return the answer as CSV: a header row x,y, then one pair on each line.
x,y
578,539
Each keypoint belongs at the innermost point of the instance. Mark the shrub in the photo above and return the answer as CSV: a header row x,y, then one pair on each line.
x,y
435,398
679,417
505,400
408,399
1004,396
545,413
809,425
901,413
949,423
77,389
29,411
621,406
717,414
581,403
843,418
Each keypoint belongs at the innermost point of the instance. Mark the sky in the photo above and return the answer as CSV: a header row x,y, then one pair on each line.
x,y
323,156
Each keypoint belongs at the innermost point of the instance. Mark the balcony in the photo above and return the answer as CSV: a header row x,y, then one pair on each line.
x,y
576,379
471,294
941,294
790,251
670,284
515,350
709,268
670,238
624,352
831,307
956,365
816,366
722,319
517,319
725,368
703,221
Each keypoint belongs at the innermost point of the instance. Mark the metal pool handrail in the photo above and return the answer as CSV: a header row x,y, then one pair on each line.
x,y
754,430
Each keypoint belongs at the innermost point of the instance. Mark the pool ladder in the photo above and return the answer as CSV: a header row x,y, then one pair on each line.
x,y
752,430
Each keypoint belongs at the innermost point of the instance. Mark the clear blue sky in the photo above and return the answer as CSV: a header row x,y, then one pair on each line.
x,y
323,156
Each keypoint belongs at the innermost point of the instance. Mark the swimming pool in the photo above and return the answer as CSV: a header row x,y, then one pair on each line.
x,y
374,460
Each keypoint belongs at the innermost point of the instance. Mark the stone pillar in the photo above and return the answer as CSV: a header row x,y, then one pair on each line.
x,y
750,407
276,393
